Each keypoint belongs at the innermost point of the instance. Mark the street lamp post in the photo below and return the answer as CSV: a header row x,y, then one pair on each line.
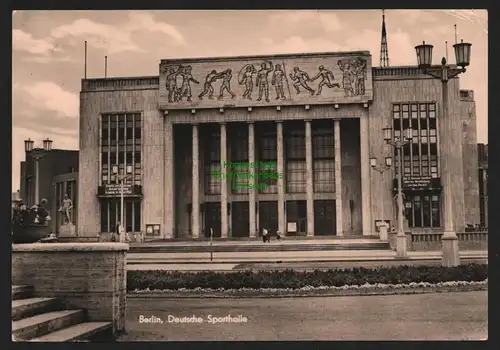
x,y
445,73
381,169
37,153
121,179
398,143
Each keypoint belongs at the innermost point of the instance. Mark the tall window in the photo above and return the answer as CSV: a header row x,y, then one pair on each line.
x,y
212,162
324,164
267,150
295,148
239,154
121,141
421,157
111,212
424,210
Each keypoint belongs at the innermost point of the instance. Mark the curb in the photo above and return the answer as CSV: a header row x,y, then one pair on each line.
x,y
284,261
314,293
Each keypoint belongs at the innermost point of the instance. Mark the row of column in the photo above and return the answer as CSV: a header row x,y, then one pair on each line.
x,y
195,213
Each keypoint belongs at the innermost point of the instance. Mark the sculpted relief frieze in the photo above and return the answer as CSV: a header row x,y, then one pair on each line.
x,y
328,78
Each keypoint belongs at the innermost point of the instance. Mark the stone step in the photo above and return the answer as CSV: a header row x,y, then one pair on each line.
x,y
39,325
21,292
23,308
79,332
264,247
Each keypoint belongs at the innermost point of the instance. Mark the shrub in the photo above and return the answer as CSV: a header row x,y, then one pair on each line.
x,y
174,280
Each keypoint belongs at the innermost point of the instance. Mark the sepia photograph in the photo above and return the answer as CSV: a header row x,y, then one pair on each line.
x,y
237,175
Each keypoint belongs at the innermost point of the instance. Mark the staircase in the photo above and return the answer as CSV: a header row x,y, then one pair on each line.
x,y
258,246
47,320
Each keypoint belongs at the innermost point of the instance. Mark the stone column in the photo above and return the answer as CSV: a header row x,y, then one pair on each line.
x,y
169,179
281,182
310,180
338,180
365,176
252,191
195,209
223,181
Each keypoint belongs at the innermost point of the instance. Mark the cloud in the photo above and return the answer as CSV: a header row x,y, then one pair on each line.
x,y
22,41
99,35
327,20
297,44
145,21
116,38
50,96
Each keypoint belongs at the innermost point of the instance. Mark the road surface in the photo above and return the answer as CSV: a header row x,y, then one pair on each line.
x,y
436,316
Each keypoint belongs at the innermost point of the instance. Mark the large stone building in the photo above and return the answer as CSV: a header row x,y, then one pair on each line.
x,y
310,124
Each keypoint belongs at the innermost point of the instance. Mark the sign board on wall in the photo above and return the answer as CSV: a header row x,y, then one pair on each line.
x,y
320,78
291,227
419,183
115,189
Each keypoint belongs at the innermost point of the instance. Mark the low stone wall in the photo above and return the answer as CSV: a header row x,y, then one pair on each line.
x,y
89,276
392,240
466,241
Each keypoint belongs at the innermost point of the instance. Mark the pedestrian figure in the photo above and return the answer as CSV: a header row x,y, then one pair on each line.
x,y
278,236
266,237
115,237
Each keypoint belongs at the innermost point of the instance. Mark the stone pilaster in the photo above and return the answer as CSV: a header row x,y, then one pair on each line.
x,y
338,179
168,230
195,210
223,181
281,182
310,180
252,191
365,176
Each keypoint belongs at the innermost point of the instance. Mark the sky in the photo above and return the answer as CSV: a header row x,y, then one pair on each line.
x,y
48,52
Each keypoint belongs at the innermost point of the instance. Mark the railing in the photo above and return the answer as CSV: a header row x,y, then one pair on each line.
x,y
120,83
403,71
474,240
395,71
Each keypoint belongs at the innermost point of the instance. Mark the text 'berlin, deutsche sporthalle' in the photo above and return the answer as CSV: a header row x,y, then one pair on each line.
x,y
211,319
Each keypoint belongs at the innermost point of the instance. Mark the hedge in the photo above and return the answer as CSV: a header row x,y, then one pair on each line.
x,y
174,280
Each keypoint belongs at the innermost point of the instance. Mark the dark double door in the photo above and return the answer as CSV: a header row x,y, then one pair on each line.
x,y
324,217
212,219
240,222
268,216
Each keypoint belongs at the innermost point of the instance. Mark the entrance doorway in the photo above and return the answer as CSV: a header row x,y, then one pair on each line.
x,y
268,216
324,217
240,223
212,219
296,211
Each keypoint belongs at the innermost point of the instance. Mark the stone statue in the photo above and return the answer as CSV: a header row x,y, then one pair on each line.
x,y
65,209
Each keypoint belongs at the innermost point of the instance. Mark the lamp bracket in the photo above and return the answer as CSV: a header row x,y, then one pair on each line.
x,y
444,72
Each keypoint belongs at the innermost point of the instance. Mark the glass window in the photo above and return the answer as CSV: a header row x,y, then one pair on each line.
x,y
137,216
296,176
432,123
435,212
414,111
324,175
417,212
426,211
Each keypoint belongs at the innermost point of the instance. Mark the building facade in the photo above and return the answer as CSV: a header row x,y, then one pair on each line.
x,y
235,145
482,150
